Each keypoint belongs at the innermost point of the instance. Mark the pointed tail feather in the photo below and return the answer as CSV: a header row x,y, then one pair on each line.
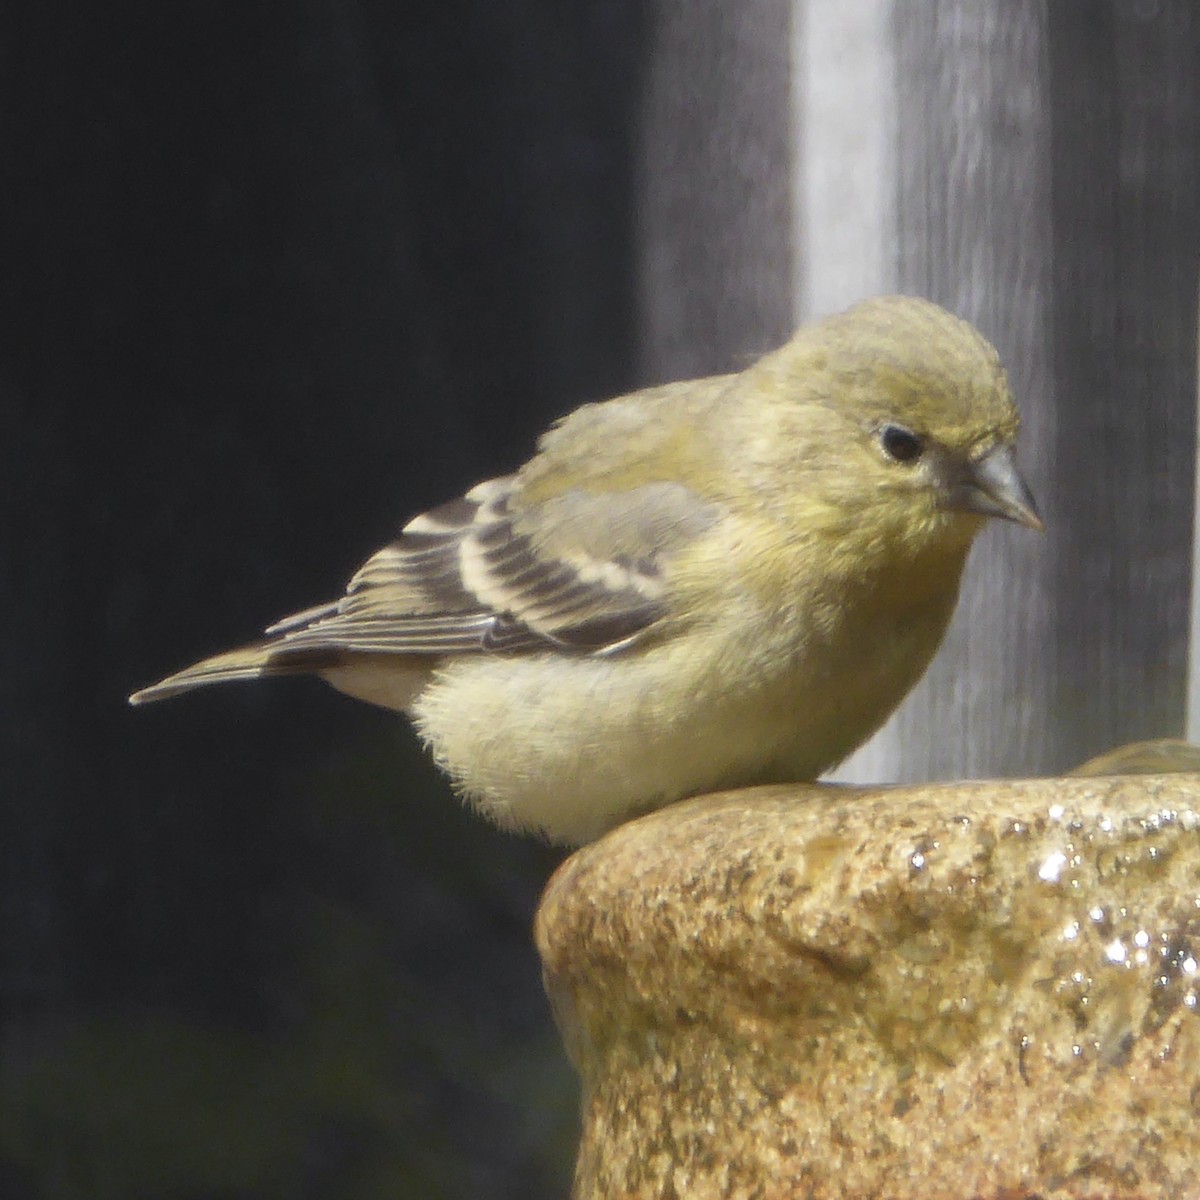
x,y
247,662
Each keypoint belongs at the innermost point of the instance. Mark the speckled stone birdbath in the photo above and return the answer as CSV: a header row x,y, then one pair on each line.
x,y
952,991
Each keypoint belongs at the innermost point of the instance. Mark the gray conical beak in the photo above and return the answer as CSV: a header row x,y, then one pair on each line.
x,y
992,486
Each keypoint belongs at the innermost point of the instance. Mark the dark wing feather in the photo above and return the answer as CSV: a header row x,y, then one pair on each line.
x,y
481,574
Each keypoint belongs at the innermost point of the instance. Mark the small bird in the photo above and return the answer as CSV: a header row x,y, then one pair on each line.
x,y
708,584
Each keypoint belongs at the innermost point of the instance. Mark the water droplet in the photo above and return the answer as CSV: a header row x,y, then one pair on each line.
x,y
1052,866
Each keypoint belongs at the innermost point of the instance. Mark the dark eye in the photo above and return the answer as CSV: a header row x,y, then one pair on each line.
x,y
901,444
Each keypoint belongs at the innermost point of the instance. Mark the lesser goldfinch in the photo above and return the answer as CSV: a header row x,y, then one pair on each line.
x,y
709,584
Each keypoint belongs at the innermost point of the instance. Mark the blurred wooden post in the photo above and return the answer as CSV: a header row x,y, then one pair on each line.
x,y
1125,98
844,162
1034,168
972,231
713,198
1193,711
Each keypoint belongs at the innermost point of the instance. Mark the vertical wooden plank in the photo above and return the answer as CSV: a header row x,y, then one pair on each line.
x,y
1037,173
1048,184
973,233
1193,709
1126,217
844,108
846,198
714,216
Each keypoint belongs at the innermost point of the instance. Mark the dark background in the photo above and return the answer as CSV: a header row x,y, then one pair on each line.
x,y
272,279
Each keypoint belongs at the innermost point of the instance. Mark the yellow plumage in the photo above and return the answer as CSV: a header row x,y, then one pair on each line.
x,y
708,584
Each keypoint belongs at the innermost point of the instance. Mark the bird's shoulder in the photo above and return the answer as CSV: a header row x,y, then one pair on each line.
x,y
658,433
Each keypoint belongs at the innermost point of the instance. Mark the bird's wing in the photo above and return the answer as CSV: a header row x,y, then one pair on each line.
x,y
581,571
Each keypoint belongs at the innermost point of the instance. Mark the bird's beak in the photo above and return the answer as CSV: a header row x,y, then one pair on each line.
x,y
992,486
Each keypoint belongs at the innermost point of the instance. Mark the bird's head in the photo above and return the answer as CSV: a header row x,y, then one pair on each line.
x,y
900,422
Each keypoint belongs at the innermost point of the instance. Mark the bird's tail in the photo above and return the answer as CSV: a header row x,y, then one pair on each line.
x,y
247,662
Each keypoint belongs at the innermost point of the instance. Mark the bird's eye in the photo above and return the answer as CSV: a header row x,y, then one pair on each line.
x,y
901,444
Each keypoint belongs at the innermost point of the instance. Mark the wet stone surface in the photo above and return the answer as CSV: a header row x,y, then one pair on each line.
x,y
983,989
